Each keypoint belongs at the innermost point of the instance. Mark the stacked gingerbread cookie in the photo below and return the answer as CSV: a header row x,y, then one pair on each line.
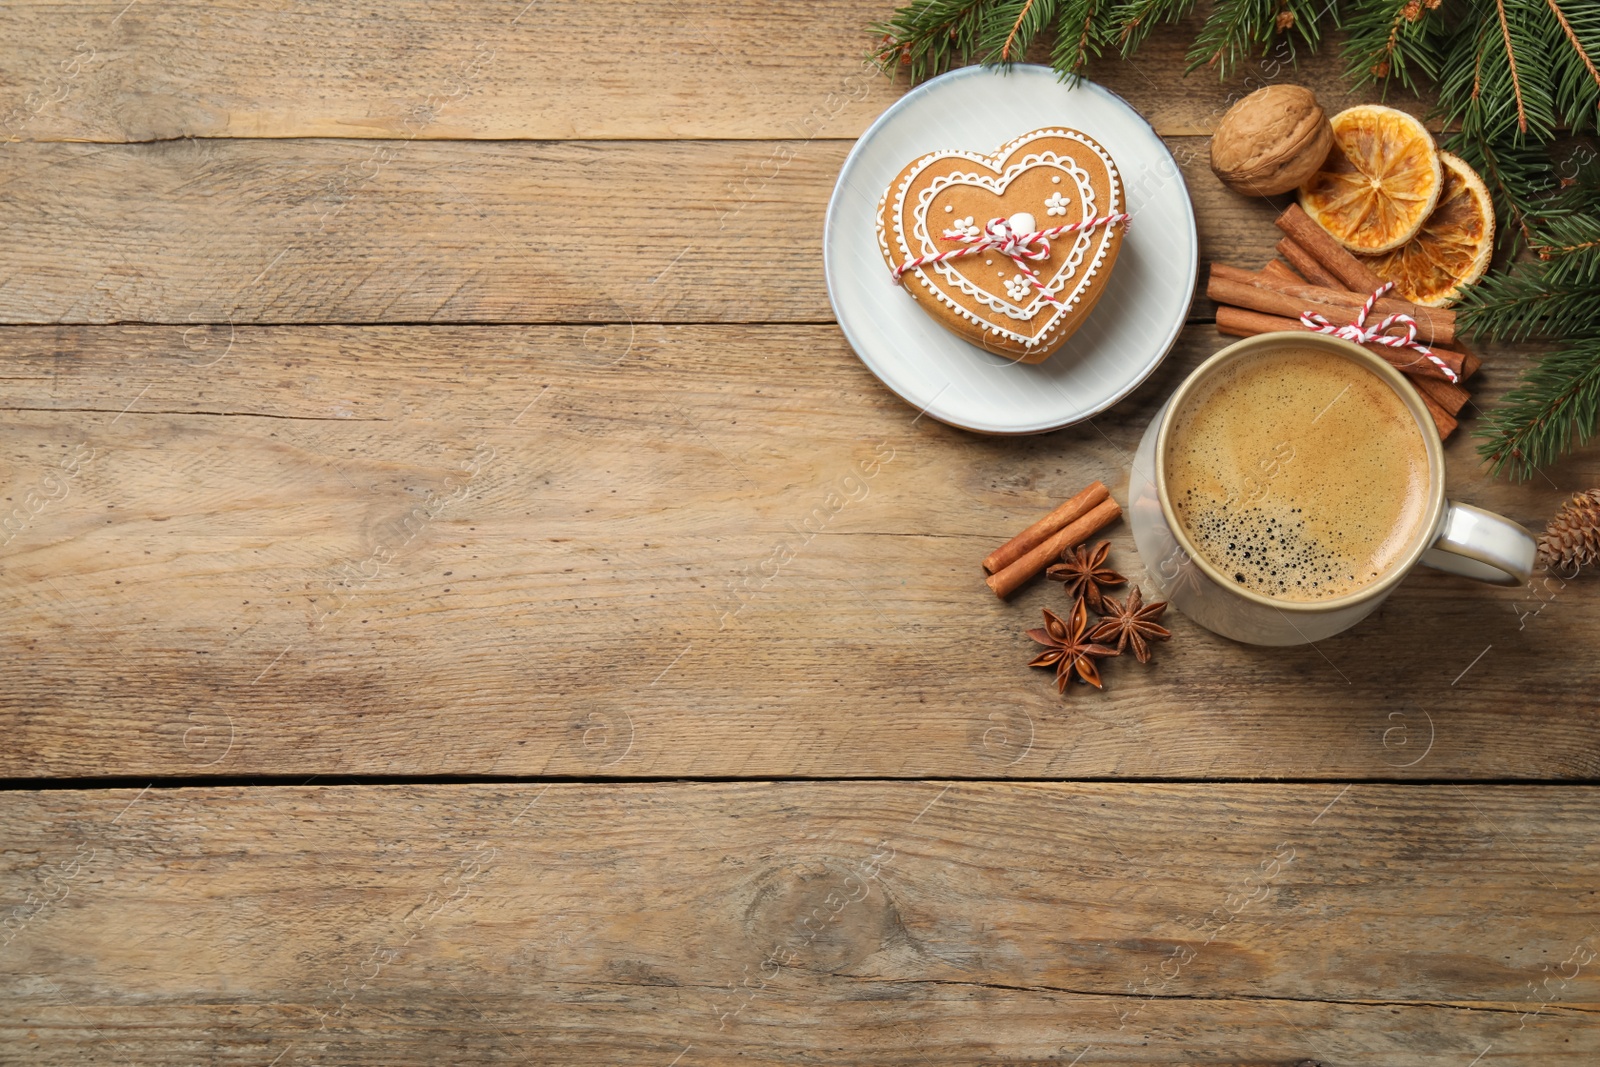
x,y
1009,251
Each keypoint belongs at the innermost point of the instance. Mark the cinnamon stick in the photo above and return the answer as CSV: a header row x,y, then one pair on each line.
x,y
1337,294
1307,264
1442,419
1257,292
1334,257
1012,578
1278,270
1036,534
1239,322
1448,395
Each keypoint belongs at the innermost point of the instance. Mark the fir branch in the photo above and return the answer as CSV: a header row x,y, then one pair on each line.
x,y
1565,250
1573,42
1010,26
1136,18
1229,34
1511,61
1479,90
1390,39
1235,28
1005,49
1580,190
1555,407
927,37
1556,298
1564,235
1577,45
1081,33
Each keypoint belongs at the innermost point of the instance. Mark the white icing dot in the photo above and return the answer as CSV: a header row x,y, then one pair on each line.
x,y
988,263
1055,179
949,207
1022,222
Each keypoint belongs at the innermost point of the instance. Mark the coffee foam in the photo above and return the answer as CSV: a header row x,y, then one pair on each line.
x,y
1299,474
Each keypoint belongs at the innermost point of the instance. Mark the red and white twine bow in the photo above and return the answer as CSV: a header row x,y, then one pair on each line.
x,y
1359,332
1020,248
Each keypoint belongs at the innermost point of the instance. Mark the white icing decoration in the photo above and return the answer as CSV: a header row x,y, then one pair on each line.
x,y
1017,287
1056,204
966,227
949,207
1023,222
1055,179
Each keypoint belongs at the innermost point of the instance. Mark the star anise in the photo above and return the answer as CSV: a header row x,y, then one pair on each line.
x,y
1067,649
1132,624
1084,572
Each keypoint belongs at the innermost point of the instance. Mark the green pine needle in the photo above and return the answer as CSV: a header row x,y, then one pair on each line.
x,y
1010,26
1555,297
1550,300
1238,28
928,37
1134,19
1081,34
1553,409
1392,39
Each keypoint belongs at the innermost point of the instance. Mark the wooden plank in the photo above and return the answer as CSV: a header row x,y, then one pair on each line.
x,y
550,69
829,923
657,551
330,231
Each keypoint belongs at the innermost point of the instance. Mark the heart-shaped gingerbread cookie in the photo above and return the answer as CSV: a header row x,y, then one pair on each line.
x,y
1009,251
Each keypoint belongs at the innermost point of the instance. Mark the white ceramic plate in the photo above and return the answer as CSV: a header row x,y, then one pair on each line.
x,y
1124,338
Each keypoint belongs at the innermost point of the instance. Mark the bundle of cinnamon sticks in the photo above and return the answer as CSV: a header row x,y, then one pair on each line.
x,y
1318,275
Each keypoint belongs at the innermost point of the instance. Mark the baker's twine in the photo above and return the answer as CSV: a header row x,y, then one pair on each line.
x,y
1020,248
1358,331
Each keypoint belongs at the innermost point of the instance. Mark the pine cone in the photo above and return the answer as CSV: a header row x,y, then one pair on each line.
x,y
1572,539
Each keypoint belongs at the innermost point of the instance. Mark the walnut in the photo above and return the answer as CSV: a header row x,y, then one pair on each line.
x,y
1271,141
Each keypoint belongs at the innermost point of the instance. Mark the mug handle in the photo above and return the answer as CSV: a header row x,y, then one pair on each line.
x,y
1480,544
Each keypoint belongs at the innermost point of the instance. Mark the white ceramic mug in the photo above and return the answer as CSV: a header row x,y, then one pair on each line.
x,y
1452,537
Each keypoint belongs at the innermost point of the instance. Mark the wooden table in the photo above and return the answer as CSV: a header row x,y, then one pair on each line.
x,y
403,405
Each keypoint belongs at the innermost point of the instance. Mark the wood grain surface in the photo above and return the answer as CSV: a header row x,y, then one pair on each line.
x,y
345,231
684,550
451,390
545,69
827,923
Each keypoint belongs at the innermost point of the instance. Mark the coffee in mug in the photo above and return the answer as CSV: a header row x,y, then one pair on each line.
x,y
1301,475
1288,485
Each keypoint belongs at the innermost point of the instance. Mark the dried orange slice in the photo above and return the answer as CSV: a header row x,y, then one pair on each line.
x,y
1452,249
1380,182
